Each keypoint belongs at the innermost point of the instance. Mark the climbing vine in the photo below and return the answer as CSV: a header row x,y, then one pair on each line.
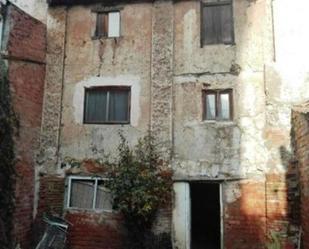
x,y
140,186
8,128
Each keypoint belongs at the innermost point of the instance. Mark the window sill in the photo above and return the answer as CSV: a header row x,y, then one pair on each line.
x,y
219,122
105,38
85,210
219,44
106,123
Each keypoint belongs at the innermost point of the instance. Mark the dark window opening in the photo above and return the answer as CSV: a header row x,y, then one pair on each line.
x,y
205,216
107,105
108,24
217,23
218,105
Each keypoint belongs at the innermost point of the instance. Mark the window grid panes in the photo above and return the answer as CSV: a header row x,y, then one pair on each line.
x,y
82,193
107,105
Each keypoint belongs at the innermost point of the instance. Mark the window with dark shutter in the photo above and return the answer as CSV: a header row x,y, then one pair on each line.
x,y
107,105
102,25
217,23
108,24
218,104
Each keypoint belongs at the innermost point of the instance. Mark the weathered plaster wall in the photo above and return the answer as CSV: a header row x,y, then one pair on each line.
x,y
264,90
221,149
256,144
121,61
160,57
76,61
286,79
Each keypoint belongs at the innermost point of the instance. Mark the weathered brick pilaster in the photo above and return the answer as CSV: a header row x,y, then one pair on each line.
x,y
56,22
162,75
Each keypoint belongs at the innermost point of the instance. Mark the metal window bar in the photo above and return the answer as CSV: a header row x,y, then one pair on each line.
x,y
55,233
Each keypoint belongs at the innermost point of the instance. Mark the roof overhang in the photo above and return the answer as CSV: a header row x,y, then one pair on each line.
x,y
88,2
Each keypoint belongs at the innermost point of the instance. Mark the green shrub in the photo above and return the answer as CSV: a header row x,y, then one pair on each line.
x,y
140,186
274,242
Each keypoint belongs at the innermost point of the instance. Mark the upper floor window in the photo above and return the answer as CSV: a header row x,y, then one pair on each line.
x,y
217,22
108,24
88,193
218,105
109,105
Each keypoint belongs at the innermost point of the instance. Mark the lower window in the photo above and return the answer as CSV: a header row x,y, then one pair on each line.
x,y
88,193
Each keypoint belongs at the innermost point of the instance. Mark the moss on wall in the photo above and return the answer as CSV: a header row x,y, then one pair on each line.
x,y
8,129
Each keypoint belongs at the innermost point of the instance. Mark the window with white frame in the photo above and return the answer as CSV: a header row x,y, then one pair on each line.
x,y
88,193
107,105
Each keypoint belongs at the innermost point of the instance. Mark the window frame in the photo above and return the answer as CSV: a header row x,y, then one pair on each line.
x,y
218,106
108,89
96,179
204,4
105,14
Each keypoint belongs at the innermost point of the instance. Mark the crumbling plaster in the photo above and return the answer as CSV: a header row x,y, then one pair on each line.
x,y
159,54
89,62
170,68
220,149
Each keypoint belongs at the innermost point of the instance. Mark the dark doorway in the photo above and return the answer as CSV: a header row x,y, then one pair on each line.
x,y
205,216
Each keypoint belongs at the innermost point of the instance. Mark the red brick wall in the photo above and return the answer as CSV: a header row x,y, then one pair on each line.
x,y
263,206
94,231
51,195
282,206
27,87
27,36
89,229
26,42
245,219
301,144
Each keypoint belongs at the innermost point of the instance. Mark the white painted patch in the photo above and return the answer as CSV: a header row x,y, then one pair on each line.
x,y
232,192
181,216
113,24
121,80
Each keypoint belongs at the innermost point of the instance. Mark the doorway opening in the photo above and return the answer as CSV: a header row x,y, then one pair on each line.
x,y
205,215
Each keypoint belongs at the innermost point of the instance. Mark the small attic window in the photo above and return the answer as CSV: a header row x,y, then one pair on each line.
x,y
108,24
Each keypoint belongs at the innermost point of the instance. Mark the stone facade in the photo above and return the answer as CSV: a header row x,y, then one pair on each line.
x,y
159,55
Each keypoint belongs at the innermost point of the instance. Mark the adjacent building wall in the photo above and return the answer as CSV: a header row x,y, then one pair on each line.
x,y
34,8
24,49
300,123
